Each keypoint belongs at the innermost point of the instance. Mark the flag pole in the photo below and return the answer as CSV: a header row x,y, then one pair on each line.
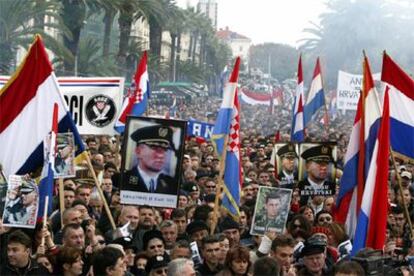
x,y
61,200
100,192
44,222
220,184
326,126
397,174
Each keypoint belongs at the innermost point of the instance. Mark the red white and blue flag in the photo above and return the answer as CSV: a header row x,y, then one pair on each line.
x,y
401,93
135,103
298,122
359,153
46,182
372,219
26,102
316,96
228,125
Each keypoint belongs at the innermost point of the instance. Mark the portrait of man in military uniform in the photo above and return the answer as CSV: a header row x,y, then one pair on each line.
x,y
21,203
65,155
152,160
272,209
318,173
287,165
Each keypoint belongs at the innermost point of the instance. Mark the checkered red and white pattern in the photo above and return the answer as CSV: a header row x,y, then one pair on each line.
x,y
234,137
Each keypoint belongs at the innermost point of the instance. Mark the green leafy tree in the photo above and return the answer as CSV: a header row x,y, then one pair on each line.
x,y
18,27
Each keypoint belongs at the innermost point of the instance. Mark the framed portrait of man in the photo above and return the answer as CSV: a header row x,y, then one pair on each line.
x,y
151,161
317,170
22,202
286,164
65,155
271,210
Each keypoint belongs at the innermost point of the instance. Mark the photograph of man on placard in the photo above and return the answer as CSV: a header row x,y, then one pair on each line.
x,y
271,211
65,155
287,164
317,171
22,202
152,161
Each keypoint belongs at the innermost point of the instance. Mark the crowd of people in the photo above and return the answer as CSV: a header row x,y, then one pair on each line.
x,y
181,242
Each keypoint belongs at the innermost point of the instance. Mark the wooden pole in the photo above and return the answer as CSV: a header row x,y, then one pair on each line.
x,y
44,222
61,200
220,185
406,212
100,192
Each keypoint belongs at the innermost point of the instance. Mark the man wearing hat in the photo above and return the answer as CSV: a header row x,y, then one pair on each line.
x,y
317,163
313,254
157,265
153,144
26,214
270,219
288,174
197,230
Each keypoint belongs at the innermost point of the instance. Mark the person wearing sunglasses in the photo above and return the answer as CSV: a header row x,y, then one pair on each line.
x,y
323,218
154,243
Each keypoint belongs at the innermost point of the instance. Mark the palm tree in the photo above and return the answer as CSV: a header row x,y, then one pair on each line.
x,y
17,28
130,12
74,15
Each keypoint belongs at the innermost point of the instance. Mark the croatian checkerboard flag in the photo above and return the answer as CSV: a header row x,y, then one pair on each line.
x,y
135,102
401,93
316,96
227,125
26,102
46,182
298,131
372,219
359,153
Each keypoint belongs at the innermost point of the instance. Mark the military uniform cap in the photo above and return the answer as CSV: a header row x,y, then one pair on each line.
x,y
287,150
155,135
313,245
27,188
322,153
157,262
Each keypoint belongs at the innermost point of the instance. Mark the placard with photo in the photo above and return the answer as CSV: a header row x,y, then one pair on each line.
x,y
286,160
151,161
271,210
22,202
65,155
317,170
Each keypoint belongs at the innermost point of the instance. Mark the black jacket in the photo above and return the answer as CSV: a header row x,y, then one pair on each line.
x,y
32,269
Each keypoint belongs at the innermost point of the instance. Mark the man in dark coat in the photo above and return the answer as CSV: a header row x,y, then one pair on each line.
x,y
153,144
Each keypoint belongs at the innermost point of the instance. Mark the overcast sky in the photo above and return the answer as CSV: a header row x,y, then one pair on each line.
x,y
280,21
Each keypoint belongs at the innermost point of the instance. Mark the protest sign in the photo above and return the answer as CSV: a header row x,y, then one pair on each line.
x,y
199,129
151,161
3,191
271,210
348,89
22,202
93,102
285,156
65,156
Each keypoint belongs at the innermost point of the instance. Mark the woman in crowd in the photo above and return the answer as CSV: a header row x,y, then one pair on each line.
x,y
237,262
69,261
